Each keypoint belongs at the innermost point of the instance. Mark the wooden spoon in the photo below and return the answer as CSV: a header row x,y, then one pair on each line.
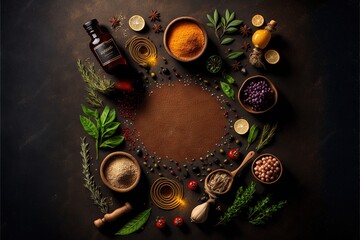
x,y
231,174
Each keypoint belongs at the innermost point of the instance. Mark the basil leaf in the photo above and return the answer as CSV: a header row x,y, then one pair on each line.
x,y
231,17
135,224
223,21
89,112
112,142
104,115
227,90
227,41
228,78
89,127
110,129
235,23
234,55
110,117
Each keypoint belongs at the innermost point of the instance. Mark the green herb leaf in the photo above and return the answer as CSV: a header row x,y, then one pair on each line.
x,y
211,20
210,24
231,17
253,132
89,112
261,212
231,30
112,142
227,15
234,23
135,224
267,134
89,127
223,21
104,115
110,117
229,92
228,78
234,55
216,17
227,41
110,129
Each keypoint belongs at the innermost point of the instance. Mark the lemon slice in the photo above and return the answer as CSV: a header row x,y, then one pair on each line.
x,y
257,20
272,56
137,23
241,126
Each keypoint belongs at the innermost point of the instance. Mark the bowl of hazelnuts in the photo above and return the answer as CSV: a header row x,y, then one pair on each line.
x,y
267,168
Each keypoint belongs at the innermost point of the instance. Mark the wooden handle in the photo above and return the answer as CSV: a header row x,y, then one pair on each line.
x,y
110,217
245,161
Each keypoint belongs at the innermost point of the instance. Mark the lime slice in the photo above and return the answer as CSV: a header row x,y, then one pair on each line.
x,y
137,23
241,126
257,20
272,56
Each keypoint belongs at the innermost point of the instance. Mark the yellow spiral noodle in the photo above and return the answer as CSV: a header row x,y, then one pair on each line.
x,y
166,194
142,50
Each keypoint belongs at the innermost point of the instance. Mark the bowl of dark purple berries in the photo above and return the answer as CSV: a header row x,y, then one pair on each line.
x,y
257,94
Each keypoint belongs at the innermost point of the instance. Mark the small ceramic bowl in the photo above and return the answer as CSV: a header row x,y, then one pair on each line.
x,y
120,171
267,168
266,102
179,41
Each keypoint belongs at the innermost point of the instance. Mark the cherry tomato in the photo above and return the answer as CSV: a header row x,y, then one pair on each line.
x,y
178,221
192,185
234,154
160,222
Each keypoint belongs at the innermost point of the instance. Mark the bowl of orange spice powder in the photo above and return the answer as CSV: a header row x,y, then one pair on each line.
x,y
185,39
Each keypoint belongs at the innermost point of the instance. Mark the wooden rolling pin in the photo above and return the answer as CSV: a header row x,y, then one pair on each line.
x,y
110,217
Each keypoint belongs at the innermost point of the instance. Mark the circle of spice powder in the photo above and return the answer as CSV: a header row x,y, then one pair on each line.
x,y
185,40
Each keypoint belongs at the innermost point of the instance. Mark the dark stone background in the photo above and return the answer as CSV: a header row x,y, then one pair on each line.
x,y
42,196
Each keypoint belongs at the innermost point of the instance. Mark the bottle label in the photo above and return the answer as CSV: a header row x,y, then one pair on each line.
x,y
107,52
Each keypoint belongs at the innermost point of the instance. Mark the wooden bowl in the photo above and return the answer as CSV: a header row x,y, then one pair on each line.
x,y
178,52
247,106
276,176
120,171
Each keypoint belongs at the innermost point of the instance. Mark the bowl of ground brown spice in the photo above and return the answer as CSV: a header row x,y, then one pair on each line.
x,y
120,171
185,39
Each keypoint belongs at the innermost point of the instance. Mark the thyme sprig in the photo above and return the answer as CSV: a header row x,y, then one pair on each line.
x,y
242,199
89,183
262,212
267,134
95,83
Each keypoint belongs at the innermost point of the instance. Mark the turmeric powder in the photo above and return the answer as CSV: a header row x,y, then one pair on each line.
x,y
186,40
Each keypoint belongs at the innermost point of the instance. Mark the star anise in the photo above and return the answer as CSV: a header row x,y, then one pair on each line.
x,y
245,31
245,45
157,28
115,22
236,65
154,16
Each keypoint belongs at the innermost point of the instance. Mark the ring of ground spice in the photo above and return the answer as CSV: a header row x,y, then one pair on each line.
x,y
185,40
166,194
142,50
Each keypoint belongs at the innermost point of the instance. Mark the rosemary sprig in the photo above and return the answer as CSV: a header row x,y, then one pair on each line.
x,y
95,83
267,134
253,133
242,199
89,183
261,212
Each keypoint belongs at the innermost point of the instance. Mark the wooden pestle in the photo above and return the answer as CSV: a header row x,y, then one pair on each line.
x,y
110,217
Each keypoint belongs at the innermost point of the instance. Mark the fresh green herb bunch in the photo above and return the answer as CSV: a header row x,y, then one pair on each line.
x,y
89,183
104,128
242,199
95,83
262,212
267,134
224,25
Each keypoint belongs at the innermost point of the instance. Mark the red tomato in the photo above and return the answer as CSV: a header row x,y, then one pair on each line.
x,y
234,154
160,222
192,185
178,221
